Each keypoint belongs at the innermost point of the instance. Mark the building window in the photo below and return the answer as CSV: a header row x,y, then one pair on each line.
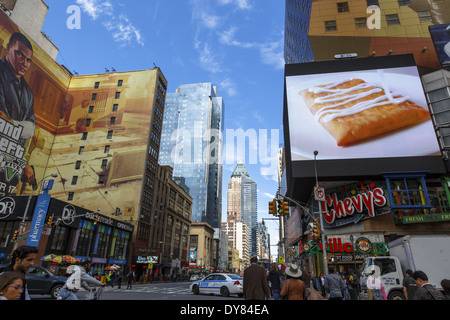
x,y
112,120
110,134
360,23
104,163
81,150
74,180
84,136
107,148
93,97
119,83
407,191
96,85
91,109
78,165
403,3
330,25
70,197
424,16
343,7
117,95
115,107
88,122
392,19
372,3
101,178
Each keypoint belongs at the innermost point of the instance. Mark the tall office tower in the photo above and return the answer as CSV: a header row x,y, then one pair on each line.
x,y
191,143
263,241
242,204
249,212
364,27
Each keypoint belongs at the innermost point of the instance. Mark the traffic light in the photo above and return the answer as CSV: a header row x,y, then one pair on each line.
x,y
16,234
49,221
273,207
316,229
279,207
95,220
284,208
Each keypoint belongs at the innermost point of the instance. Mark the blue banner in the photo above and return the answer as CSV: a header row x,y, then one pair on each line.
x,y
40,212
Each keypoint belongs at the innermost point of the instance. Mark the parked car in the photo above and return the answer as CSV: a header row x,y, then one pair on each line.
x,y
42,281
219,283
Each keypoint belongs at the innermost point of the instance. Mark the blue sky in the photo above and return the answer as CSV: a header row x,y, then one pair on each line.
x,y
235,44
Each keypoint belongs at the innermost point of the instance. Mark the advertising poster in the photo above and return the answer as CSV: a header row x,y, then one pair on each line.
x,y
32,91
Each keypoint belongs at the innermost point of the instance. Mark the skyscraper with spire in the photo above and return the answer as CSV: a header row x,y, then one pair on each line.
x,y
242,210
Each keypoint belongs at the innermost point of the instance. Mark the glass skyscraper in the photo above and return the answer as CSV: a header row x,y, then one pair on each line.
x,y
297,47
191,143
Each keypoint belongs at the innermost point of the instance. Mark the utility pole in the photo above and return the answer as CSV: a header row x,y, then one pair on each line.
x,y
325,257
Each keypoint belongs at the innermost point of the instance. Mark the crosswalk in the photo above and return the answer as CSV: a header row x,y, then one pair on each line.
x,y
151,289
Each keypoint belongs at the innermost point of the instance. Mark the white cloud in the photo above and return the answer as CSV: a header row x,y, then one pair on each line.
x,y
208,60
272,53
202,12
96,8
123,30
268,195
228,86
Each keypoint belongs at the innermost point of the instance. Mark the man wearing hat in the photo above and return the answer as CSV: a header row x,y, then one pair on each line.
x,y
255,282
293,288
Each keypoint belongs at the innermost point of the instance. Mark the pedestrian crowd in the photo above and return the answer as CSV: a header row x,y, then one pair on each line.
x,y
295,284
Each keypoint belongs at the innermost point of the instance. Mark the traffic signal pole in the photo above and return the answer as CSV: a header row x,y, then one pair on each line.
x,y
322,230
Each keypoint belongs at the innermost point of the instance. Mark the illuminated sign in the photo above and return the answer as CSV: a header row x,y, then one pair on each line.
x,y
349,206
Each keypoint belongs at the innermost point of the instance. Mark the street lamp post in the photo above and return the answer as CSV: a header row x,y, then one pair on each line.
x,y
322,230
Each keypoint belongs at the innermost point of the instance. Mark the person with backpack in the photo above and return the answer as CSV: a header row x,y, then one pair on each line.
x,y
425,290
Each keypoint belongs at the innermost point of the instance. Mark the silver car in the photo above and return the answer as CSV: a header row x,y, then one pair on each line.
x,y
219,283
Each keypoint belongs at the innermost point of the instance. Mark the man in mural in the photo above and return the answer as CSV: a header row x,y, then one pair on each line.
x,y
16,108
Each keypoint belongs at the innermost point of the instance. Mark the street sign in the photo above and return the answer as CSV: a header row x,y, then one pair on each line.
x,y
319,194
281,260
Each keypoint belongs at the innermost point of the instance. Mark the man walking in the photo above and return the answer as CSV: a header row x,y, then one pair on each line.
x,y
334,285
255,282
425,290
409,285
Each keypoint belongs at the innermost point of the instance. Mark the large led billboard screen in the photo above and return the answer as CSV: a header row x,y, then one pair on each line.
x,y
363,116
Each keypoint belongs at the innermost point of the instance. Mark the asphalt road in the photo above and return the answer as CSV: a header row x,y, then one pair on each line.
x,y
155,291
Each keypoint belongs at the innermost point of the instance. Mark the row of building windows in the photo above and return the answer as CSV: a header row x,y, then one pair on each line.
x,y
97,84
391,20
